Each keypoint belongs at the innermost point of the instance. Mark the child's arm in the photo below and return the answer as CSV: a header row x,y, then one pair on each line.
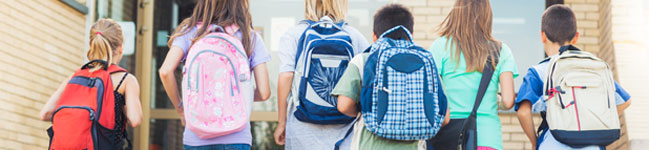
x,y
447,117
347,106
262,92
168,78
622,98
524,113
133,106
507,89
48,109
622,107
283,90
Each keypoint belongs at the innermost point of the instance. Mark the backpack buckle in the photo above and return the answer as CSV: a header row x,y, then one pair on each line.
x,y
92,115
243,77
387,90
91,83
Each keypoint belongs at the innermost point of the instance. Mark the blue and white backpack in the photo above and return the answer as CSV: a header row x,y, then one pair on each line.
x,y
402,96
323,53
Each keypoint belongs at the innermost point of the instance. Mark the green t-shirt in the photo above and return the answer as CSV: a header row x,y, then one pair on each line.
x,y
461,88
350,85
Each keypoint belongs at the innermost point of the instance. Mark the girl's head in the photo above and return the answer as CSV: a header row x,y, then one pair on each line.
x,y
469,26
316,9
219,12
105,41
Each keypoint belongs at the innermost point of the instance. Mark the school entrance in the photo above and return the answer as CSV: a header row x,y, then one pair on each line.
x,y
150,22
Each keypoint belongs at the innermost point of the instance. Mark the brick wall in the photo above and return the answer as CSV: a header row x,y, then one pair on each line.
x,y
40,45
593,27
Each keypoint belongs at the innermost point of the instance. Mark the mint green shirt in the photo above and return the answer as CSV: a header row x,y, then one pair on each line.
x,y
461,88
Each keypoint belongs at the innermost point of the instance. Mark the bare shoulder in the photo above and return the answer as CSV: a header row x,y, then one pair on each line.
x,y
130,79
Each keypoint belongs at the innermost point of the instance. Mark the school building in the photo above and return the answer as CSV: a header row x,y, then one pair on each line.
x,y
44,41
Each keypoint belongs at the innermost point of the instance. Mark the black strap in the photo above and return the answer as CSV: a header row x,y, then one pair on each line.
x,y
544,124
487,73
105,63
567,48
129,144
120,81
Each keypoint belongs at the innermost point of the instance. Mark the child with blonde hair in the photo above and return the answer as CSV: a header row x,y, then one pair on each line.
x,y
119,104
313,55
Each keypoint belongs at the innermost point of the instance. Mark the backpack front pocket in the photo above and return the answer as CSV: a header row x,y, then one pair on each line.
x,y
586,96
73,128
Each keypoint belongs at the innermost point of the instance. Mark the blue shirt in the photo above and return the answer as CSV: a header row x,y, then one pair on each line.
x,y
532,90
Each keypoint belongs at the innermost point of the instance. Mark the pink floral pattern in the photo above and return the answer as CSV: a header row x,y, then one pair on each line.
x,y
215,104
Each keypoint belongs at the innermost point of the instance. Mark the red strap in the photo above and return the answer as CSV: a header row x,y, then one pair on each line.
x,y
551,92
116,68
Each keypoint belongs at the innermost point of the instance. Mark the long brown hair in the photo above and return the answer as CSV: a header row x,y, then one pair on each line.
x,y
105,38
468,26
222,13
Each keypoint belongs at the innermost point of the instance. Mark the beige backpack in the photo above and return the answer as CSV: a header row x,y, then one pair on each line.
x,y
580,98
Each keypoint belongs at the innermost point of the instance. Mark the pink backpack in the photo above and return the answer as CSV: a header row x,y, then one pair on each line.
x,y
217,85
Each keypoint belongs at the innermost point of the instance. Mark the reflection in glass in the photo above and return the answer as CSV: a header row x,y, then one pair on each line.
x,y
122,11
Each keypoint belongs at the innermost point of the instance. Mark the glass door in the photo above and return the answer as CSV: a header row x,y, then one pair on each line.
x,y
166,131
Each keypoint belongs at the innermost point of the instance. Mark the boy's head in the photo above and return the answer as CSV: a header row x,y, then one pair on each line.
x,y
390,16
559,26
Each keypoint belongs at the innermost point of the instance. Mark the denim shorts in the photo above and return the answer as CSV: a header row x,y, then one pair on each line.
x,y
219,147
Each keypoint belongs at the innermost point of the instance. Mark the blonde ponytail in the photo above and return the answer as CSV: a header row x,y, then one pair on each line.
x,y
99,49
105,38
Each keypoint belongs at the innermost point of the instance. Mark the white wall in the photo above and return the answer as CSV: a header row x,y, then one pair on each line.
x,y
631,41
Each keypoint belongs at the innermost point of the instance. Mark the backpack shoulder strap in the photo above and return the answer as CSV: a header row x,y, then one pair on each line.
x,y
115,69
89,64
544,124
568,48
307,21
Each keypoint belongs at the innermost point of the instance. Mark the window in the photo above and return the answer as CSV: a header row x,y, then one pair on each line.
x,y
518,24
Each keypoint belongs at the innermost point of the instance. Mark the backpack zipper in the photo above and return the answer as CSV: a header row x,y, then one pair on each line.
x,y
309,53
236,74
92,112
236,77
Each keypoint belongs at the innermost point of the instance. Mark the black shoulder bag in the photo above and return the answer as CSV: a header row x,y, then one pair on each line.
x,y
462,134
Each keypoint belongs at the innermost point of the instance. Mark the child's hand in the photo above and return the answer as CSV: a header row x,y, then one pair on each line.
x,y
47,112
182,116
279,135
46,115
501,104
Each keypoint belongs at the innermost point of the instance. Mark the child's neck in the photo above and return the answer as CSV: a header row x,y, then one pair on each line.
x,y
552,49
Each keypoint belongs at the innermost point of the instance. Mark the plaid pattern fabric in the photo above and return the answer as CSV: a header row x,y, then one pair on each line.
x,y
405,118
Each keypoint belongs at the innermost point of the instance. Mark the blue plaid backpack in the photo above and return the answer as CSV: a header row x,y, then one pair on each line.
x,y
323,53
402,96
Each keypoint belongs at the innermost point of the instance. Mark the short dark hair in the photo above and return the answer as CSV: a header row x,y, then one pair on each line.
x,y
390,16
559,23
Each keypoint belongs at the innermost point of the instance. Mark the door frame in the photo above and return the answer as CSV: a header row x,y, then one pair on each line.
x,y
143,54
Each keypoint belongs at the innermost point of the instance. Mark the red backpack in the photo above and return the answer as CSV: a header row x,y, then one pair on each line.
x,y
85,117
